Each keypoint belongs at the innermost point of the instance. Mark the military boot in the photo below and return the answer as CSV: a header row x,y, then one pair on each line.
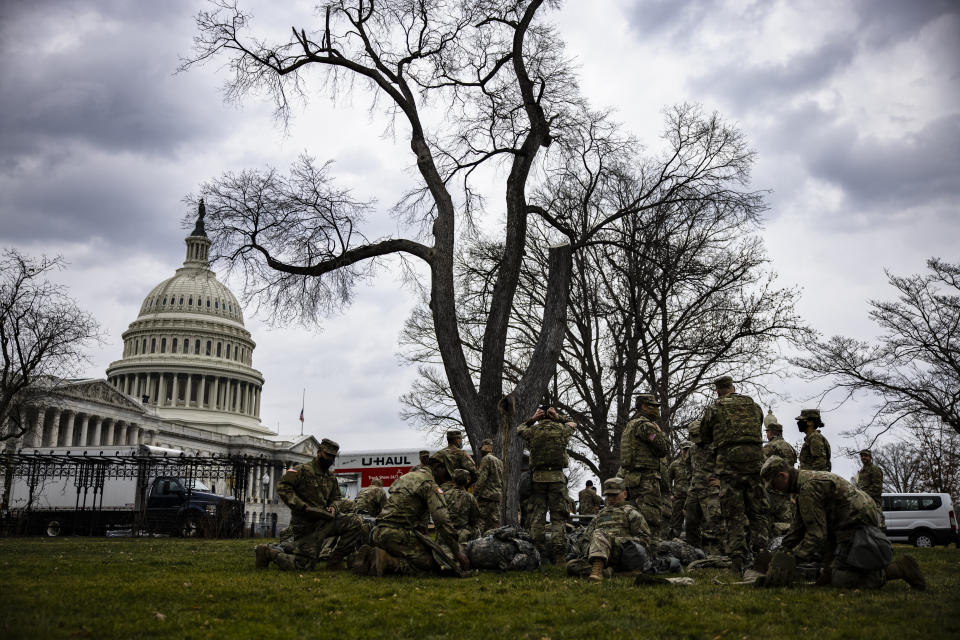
x,y
264,554
907,568
596,570
761,563
780,573
383,563
363,560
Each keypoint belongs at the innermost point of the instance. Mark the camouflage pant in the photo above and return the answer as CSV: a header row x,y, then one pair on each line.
x,y
302,552
552,497
467,534
413,556
605,547
489,514
676,515
703,524
646,495
781,512
743,501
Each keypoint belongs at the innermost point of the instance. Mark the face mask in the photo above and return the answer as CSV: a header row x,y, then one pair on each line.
x,y
652,412
324,462
802,426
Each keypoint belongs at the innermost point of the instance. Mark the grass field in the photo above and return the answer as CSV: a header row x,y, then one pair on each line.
x,y
116,588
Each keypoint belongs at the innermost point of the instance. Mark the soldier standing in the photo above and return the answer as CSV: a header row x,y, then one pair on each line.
x,y
589,501
678,478
402,544
617,522
462,507
547,434
703,521
488,489
424,461
815,452
781,508
454,457
312,493
642,445
370,500
870,478
838,524
733,423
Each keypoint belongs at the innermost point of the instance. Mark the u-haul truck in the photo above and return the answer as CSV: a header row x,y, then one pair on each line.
x,y
355,469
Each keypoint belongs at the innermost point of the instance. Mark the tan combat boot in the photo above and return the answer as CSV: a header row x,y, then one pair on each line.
x,y
264,554
907,568
596,570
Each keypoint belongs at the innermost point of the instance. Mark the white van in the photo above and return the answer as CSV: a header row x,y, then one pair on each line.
x,y
922,519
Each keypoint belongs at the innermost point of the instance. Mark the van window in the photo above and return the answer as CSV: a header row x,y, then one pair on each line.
x,y
911,503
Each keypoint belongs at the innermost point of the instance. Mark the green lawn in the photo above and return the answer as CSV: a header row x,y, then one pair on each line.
x,y
122,588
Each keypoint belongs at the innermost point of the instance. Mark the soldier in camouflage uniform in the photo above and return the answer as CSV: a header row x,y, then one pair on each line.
x,y
642,445
614,524
870,478
589,501
488,489
547,434
678,479
836,523
313,495
733,423
454,457
462,507
370,500
402,544
815,452
703,521
781,507
525,493
424,463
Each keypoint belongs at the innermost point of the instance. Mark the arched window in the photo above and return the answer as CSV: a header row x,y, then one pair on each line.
x,y
173,346
181,299
163,345
136,347
216,304
208,303
144,348
164,299
228,352
190,301
196,347
208,342
153,345
218,349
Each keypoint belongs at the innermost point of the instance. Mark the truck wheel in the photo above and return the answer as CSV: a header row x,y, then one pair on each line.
x,y
54,529
922,538
189,527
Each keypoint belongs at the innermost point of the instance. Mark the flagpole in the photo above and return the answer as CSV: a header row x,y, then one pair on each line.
x,y
303,405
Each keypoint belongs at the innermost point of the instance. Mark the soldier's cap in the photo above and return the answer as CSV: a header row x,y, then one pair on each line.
x,y
723,382
686,444
774,427
772,466
376,482
329,446
461,476
613,486
809,414
866,452
454,433
423,452
487,442
647,398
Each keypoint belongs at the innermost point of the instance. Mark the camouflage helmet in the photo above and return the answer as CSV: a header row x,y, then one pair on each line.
x,y
461,476
810,414
330,447
686,444
723,382
866,452
647,398
487,442
772,466
613,486
454,433
775,428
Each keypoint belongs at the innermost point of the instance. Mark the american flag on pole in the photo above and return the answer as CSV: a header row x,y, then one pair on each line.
x,y
301,415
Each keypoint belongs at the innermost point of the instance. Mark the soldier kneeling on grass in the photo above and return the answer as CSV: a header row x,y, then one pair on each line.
x,y
838,523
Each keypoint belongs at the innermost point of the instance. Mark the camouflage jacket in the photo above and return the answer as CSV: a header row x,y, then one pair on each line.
x,y
533,434
309,490
454,458
621,521
828,508
642,445
462,507
815,452
590,502
780,447
702,465
870,481
733,420
370,500
489,484
413,497
678,476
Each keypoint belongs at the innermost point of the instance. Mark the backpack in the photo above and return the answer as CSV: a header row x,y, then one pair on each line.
x,y
548,446
740,421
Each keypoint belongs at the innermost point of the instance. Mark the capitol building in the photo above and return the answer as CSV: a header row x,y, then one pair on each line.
x,y
185,381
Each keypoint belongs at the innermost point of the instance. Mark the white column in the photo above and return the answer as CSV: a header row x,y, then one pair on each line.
x,y
137,435
97,430
162,390
54,428
256,404
121,433
68,431
201,390
35,439
215,395
108,424
84,422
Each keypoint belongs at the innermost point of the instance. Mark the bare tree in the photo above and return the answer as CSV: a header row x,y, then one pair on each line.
x,y
938,458
898,460
914,369
664,297
43,336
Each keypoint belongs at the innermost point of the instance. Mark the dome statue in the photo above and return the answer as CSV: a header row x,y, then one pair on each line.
x,y
188,354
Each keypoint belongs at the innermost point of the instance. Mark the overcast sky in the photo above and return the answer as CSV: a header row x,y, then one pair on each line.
x,y
853,108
